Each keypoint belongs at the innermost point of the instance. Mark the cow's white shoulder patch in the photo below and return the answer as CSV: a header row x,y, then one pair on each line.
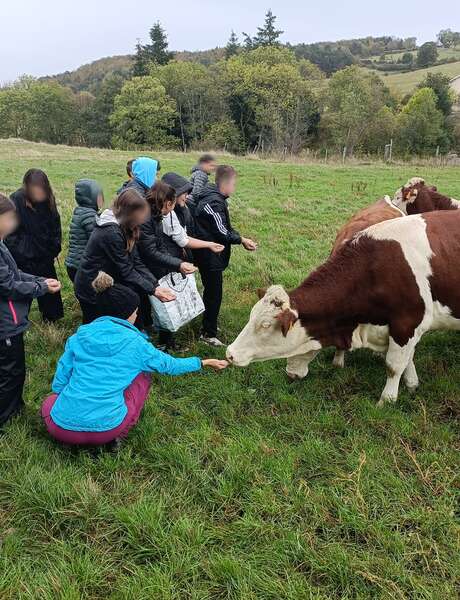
x,y
390,202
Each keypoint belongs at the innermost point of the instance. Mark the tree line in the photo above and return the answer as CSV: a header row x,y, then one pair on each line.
x,y
259,96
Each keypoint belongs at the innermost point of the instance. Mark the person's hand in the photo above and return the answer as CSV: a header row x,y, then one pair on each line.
x,y
164,294
215,363
216,248
54,286
249,245
187,268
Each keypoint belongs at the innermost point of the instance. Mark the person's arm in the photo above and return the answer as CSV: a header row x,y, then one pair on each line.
x,y
153,360
117,253
30,287
173,229
64,368
199,181
196,244
153,255
88,223
217,221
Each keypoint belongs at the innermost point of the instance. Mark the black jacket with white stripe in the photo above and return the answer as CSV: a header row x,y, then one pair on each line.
x,y
212,223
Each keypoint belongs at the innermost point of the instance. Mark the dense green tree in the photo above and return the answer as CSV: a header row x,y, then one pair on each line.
x,y
407,58
268,35
427,55
440,84
155,52
421,124
143,115
352,103
95,118
328,57
39,111
449,38
193,89
233,45
270,101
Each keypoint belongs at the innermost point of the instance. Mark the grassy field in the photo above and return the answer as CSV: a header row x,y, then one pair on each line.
x,y
241,485
404,83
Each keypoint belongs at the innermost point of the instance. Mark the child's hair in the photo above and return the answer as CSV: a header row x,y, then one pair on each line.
x,y
124,206
129,167
6,205
158,165
158,196
39,178
206,158
224,173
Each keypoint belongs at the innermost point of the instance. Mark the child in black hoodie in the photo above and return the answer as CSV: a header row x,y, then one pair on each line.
x,y
17,289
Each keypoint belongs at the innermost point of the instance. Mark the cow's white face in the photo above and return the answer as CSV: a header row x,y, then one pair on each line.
x,y
273,331
407,194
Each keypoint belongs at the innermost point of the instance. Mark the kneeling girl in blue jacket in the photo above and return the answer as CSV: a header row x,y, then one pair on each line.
x,y
102,380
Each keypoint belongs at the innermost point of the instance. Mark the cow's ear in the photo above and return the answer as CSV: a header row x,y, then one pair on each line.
x,y
261,293
286,318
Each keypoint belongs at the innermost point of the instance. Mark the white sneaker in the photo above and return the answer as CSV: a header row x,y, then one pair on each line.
x,y
211,341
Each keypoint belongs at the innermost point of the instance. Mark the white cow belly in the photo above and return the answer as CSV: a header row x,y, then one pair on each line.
x,y
443,319
374,337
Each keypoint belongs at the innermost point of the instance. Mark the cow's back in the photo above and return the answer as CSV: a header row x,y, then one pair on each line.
x,y
382,210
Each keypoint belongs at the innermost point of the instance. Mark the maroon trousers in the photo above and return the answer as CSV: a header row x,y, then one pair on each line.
x,y
135,397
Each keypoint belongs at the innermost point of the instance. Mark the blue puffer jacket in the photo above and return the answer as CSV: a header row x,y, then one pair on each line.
x,y
99,362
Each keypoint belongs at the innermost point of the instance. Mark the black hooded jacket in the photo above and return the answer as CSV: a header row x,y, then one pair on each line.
x,y
153,251
106,251
213,224
37,240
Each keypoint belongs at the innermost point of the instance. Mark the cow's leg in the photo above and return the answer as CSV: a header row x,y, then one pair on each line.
x,y
297,366
339,359
410,376
397,360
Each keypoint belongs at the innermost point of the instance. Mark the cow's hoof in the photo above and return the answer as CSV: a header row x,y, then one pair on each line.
x,y
412,389
384,399
338,363
294,376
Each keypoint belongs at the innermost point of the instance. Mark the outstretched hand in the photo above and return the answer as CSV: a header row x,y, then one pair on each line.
x,y
249,244
54,286
164,294
216,248
187,268
215,363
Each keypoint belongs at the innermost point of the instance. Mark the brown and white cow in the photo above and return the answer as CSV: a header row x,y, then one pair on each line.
x,y
392,283
417,197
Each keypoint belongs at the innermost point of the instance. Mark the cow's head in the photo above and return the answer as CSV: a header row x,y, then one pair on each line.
x,y
273,331
408,193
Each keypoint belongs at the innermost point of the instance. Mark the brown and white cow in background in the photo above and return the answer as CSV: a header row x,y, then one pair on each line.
x,y
413,198
401,277
417,197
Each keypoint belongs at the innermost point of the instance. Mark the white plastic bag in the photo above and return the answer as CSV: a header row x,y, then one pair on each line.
x,y
187,305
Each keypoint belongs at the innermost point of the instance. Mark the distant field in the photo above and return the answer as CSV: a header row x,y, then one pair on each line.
x,y
404,83
442,53
241,486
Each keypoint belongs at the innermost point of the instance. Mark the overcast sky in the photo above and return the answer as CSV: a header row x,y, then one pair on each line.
x,y
41,37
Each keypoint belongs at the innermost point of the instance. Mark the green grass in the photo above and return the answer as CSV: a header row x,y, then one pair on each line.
x,y
443,53
404,83
241,485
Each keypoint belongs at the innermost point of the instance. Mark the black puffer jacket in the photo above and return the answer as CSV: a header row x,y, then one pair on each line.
x,y
106,251
212,223
17,289
83,220
37,240
153,251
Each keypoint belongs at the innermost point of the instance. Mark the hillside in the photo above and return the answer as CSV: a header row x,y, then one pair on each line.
x,y
88,77
404,83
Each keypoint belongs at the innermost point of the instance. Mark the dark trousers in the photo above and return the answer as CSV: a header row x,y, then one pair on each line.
x,y
50,305
212,298
12,376
72,272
